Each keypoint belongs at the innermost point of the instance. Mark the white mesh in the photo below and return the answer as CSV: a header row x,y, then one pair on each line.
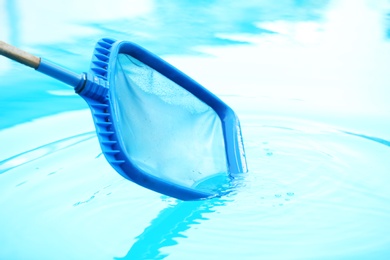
x,y
166,131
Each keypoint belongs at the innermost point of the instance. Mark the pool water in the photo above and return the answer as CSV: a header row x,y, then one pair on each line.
x,y
308,80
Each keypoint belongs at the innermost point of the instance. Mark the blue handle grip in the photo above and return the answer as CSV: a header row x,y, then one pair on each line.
x,y
55,71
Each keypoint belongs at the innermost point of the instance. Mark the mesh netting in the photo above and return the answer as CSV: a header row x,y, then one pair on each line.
x,y
166,131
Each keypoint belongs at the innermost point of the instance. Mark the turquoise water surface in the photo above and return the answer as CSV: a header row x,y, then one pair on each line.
x,y
309,81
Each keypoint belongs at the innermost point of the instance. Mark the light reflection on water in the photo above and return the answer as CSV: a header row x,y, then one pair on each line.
x,y
310,88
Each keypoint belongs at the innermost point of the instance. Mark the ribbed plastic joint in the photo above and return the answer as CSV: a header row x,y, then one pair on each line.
x,y
95,88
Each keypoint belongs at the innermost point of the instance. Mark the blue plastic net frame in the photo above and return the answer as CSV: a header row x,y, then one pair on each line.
x,y
102,71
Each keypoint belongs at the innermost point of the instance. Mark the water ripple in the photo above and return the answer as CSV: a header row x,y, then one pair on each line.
x,y
337,182
43,150
371,138
313,190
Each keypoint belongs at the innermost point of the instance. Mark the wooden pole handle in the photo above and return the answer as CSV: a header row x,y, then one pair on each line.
x,y
19,55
